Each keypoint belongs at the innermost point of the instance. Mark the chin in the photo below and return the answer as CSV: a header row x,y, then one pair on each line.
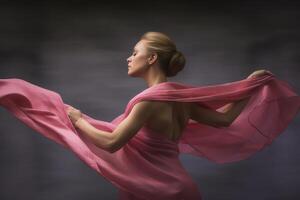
x,y
133,74
130,73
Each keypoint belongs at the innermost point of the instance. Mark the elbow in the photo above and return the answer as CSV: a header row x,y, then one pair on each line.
x,y
109,147
112,148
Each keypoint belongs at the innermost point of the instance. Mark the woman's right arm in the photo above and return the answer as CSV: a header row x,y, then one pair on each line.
x,y
229,112
214,118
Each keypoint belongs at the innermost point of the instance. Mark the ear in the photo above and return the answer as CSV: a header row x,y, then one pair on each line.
x,y
152,58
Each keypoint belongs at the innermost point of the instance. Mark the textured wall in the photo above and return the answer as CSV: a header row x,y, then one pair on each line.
x,y
79,50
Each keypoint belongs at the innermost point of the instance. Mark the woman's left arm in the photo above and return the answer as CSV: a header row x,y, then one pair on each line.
x,y
112,142
101,139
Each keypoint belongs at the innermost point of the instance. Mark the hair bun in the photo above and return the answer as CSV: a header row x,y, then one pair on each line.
x,y
176,64
170,60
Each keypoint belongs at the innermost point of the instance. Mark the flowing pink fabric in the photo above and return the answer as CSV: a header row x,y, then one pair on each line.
x,y
148,166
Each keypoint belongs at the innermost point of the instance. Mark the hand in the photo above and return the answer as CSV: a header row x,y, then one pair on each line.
x,y
74,114
258,73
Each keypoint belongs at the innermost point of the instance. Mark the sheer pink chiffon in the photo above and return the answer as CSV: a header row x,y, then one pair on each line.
x,y
148,166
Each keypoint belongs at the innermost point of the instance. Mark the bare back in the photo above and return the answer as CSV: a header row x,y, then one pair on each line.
x,y
170,118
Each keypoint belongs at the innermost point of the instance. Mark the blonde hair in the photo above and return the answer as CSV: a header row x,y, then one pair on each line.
x,y
170,59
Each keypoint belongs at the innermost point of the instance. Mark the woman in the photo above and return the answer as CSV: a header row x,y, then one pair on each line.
x,y
155,58
139,150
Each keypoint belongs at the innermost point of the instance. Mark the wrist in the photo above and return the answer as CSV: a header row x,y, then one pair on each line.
x,y
77,123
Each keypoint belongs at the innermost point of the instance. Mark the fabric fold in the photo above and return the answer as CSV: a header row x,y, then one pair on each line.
x,y
273,104
148,165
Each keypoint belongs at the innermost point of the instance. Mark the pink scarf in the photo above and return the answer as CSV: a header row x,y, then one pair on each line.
x,y
148,164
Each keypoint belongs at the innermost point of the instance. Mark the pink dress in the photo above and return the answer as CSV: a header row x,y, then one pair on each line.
x,y
148,166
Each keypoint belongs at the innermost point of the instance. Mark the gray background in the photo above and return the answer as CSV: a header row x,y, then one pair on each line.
x,y
79,50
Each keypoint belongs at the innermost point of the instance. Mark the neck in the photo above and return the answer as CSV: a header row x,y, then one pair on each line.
x,y
155,79
154,76
155,82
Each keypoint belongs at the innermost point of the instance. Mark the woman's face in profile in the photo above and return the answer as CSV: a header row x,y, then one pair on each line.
x,y
137,62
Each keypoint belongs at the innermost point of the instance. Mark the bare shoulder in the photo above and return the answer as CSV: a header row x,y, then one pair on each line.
x,y
154,105
145,106
150,103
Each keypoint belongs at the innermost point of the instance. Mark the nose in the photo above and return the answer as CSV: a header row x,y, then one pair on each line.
x,y
128,59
